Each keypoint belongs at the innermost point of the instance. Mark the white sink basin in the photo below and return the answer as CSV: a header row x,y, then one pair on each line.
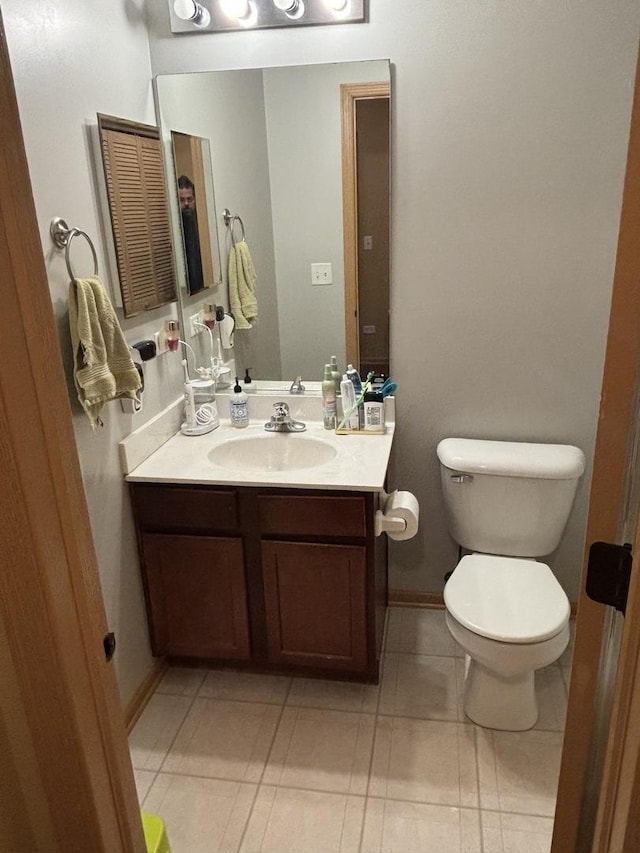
x,y
276,451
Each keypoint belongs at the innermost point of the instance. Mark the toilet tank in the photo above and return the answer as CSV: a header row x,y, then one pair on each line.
x,y
506,497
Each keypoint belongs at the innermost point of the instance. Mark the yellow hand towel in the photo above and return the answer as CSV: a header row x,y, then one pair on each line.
x,y
103,369
242,285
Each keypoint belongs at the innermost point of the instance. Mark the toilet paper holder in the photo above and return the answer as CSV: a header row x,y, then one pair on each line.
x,y
390,524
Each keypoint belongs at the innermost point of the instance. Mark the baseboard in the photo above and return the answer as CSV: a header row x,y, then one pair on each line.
x,y
138,701
433,600
415,598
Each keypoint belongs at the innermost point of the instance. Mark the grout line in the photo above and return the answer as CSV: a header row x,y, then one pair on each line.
x,y
264,766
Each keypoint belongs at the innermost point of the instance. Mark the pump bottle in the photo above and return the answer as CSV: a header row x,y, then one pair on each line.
x,y
239,407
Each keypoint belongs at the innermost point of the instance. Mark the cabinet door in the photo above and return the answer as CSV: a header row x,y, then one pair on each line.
x,y
196,596
316,604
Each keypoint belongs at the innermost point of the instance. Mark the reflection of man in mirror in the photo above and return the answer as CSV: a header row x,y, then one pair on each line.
x,y
187,194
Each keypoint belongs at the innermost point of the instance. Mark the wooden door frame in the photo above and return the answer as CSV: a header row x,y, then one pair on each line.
x,y
66,781
350,93
615,429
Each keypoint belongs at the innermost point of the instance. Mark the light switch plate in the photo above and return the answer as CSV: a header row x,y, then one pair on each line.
x,y
321,274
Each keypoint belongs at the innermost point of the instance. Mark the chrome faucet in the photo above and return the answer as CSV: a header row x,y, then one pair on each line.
x,y
296,386
281,420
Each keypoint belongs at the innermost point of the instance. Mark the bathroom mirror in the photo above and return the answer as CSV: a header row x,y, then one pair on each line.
x,y
285,159
196,200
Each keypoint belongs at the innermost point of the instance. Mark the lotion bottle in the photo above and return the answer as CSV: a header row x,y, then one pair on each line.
x,y
328,399
239,407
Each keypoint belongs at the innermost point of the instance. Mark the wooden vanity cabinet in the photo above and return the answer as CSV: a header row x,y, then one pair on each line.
x,y
273,579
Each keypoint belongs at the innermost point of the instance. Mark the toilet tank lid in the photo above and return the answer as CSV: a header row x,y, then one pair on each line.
x,y
512,458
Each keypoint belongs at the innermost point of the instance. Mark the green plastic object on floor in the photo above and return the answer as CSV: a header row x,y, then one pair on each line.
x,y
155,834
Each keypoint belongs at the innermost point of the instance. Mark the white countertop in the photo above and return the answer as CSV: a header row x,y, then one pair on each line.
x,y
360,463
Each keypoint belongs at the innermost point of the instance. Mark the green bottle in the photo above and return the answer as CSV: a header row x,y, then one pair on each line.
x,y
328,399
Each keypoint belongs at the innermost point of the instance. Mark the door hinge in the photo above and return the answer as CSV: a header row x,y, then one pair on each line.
x,y
609,574
109,644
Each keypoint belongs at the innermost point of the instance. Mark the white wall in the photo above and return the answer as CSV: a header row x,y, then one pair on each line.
x,y
69,62
509,133
302,107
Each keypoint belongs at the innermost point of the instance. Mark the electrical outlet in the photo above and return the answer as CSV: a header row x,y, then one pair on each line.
x,y
321,274
195,329
160,339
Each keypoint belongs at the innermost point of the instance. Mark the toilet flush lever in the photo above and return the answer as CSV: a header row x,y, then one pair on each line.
x,y
461,478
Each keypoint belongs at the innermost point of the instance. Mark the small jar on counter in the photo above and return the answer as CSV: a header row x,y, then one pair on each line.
x,y
374,412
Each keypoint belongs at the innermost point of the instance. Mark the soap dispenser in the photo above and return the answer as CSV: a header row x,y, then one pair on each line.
x,y
239,407
248,384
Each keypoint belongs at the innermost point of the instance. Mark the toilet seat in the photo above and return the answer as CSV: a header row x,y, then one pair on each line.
x,y
509,599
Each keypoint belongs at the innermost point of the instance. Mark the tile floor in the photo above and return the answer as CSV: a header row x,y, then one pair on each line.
x,y
267,764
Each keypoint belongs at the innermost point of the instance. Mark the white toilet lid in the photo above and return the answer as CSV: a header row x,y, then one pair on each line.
x,y
505,598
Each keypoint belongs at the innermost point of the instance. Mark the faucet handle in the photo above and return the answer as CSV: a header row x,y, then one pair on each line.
x,y
296,386
281,411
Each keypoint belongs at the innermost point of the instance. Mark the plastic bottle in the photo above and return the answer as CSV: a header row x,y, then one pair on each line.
x,y
348,401
374,412
239,407
335,373
354,376
328,399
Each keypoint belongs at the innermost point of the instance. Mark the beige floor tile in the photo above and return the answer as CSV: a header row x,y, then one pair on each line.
x,y
396,827
225,740
156,729
144,780
321,750
419,686
419,631
333,695
518,771
513,833
201,815
181,681
424,761
245,686
291,821
551,694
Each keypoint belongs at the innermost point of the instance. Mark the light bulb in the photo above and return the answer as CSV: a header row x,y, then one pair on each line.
x,y
292,8
236,9
340,8
189,10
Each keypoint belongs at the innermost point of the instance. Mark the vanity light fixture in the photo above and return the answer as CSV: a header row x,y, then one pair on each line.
x,y
192,12
216,16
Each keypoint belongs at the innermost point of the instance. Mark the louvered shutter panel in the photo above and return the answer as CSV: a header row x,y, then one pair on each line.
x,y
138,203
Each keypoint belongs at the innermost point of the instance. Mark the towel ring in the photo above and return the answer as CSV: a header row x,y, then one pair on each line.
x,y
229,220
62,236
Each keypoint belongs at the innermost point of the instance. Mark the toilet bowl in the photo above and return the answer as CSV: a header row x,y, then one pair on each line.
x,y
510,617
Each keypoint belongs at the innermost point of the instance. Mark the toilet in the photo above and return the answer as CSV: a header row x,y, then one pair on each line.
x,y
507,503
